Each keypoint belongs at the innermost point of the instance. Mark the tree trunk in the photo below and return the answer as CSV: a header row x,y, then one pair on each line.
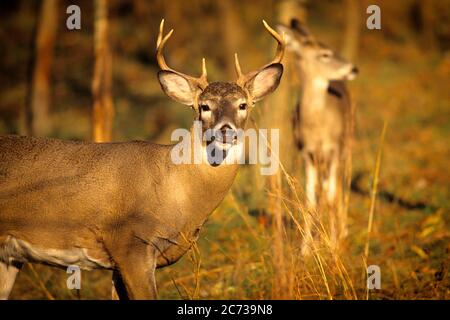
x,y
352,29
38,120
103,110
289,9
280,119
427,17
232,33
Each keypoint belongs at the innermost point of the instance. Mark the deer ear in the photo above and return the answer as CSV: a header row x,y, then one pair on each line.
x,y
177,87
265,81
288,33
300,27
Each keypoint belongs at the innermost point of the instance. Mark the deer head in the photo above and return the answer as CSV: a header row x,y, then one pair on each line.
x,y
221,106
314,58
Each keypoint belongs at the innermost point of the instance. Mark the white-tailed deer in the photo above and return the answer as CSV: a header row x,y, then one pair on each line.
x,y
122,206
321,115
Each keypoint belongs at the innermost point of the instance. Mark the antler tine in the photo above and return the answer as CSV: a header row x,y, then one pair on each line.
x,y
160,45
201,81
204,73
242,78
237,65
161,28
280,41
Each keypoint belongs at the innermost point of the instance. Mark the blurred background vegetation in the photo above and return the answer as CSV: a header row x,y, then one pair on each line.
x,y
243,252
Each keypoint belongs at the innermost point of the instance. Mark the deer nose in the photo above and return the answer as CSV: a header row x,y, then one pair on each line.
x,y
228,133
355,70
224,128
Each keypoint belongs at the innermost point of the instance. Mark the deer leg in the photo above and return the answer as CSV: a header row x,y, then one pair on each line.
x,y
343,227
8,273
136,277
331,190
311,181
310,212
119,291
332,179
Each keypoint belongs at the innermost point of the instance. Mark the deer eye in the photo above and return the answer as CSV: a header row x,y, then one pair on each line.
x,y
242,106
325,56
205,107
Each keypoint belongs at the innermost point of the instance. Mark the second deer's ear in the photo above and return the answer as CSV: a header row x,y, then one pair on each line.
x,y
290,38
265,81
177,87
288,33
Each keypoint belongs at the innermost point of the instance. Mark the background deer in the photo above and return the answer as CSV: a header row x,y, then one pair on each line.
x,y
122,206
321,116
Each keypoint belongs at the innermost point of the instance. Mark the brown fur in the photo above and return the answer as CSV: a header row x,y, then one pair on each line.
x,y
118,200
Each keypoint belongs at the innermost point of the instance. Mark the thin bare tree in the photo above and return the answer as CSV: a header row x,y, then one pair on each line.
x,y
352,29
287,10
103,110
37,117
232,33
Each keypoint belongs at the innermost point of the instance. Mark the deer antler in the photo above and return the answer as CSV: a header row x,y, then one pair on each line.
x,y
201,81
243,78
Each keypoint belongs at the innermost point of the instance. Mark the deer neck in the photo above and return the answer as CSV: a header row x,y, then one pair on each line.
x,y
218,179
314,92
205,185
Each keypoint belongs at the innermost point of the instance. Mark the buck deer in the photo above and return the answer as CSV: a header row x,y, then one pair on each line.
x,y
122,206
321,116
